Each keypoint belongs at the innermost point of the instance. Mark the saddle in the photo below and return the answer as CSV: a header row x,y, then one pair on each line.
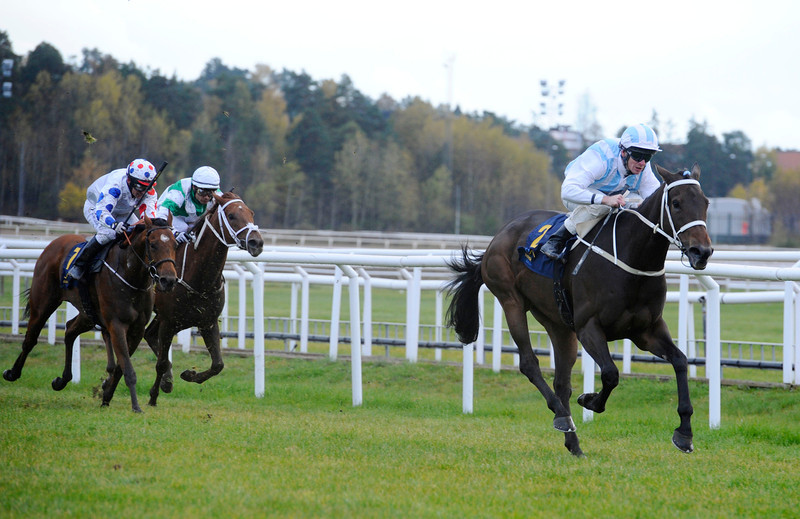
x,y
542,265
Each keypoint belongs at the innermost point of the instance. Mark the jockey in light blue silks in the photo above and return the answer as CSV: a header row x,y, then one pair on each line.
x,y
611,173
109,201
188,200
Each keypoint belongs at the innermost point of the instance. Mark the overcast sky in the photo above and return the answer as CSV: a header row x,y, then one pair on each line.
x,y
733,65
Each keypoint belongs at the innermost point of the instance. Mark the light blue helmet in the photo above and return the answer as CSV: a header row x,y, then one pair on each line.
x,y
640,137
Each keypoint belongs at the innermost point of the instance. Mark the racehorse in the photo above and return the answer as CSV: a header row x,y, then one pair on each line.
x,y
616,290
119,299
200,295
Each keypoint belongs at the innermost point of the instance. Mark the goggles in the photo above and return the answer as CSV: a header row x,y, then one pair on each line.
x,y
203,192
639,156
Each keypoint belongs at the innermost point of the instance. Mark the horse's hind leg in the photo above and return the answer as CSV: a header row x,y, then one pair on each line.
x,y
76,326
529,365
210,335
41,304
565,352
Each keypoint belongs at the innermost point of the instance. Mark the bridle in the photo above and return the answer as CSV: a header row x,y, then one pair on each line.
x,y
152,266
656,227
224,224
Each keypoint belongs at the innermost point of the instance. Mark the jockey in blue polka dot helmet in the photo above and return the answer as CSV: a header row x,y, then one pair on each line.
x,y
109,202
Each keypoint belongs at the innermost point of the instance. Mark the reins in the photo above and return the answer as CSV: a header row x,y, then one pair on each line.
x,y
656,227
152,266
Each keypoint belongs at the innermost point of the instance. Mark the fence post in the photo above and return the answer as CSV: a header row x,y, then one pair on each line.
x,y
713,350
333,345
355,335
367,316
467,382
258,325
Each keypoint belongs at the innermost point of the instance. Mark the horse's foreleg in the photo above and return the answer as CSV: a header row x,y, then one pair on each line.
x,y
595,345
117,336
660,344
162,338
74,328
210,335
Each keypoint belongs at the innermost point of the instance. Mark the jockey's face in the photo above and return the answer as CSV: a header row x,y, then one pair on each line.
x,y
202,195
137,188
635,161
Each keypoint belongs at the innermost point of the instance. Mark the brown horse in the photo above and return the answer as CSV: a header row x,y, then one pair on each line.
x,y
120,299
617,291
200,295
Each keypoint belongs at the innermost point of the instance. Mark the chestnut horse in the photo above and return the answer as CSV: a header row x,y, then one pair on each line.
x,y
120,299
200,295
617,290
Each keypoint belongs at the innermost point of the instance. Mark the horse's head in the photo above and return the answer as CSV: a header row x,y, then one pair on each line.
x,y
685,210
159,251
236,223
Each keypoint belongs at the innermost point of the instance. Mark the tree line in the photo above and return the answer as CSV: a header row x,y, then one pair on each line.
x,y
304,153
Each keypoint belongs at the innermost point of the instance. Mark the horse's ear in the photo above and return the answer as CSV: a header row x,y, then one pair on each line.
x,y
666,174
169,218
696,171
147,221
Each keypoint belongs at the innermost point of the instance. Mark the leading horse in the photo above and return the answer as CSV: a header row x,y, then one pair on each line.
x,y
200,295
120,299
616,290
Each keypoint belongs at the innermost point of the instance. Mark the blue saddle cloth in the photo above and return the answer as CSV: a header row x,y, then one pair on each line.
x,y
529,255
66,281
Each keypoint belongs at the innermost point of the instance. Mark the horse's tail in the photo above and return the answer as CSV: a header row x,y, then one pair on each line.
x,y
463,314
26,296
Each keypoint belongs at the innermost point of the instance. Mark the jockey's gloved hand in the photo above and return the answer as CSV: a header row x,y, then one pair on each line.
x,y
119,227
182,237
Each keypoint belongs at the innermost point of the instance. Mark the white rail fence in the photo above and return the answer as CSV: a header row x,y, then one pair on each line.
x,y
291,265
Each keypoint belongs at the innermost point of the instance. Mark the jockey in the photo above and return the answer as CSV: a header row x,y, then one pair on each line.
x,y
188,199
611,173
109,205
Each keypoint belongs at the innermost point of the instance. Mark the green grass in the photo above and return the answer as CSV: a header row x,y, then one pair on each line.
x,y
214,450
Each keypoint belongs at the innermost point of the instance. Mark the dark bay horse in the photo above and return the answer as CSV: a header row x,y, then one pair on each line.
x,y
120,299
200,295
609,301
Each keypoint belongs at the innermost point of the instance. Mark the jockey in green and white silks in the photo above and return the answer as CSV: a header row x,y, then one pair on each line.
x,y
188,200
611,173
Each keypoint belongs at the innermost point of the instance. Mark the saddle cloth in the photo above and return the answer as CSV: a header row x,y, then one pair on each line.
x,y
97,262
529,255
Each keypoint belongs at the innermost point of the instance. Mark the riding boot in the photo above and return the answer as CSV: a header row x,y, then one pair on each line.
x,y
85,256
554,246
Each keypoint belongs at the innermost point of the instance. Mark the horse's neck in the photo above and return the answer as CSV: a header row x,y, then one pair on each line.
x,y
130,262
204,264
643,246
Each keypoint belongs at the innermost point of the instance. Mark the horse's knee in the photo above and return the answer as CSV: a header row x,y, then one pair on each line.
x,y
609,376
529,365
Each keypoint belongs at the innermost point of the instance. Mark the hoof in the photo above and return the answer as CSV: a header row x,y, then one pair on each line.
x,y
682,442
104,404
166,385
564,424
587,400
8,375
189,375
136,409
59,383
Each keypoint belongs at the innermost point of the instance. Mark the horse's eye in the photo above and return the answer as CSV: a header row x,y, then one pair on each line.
x,y
676,204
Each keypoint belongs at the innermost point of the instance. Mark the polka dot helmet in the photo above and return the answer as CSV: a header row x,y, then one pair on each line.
x,y
141,171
